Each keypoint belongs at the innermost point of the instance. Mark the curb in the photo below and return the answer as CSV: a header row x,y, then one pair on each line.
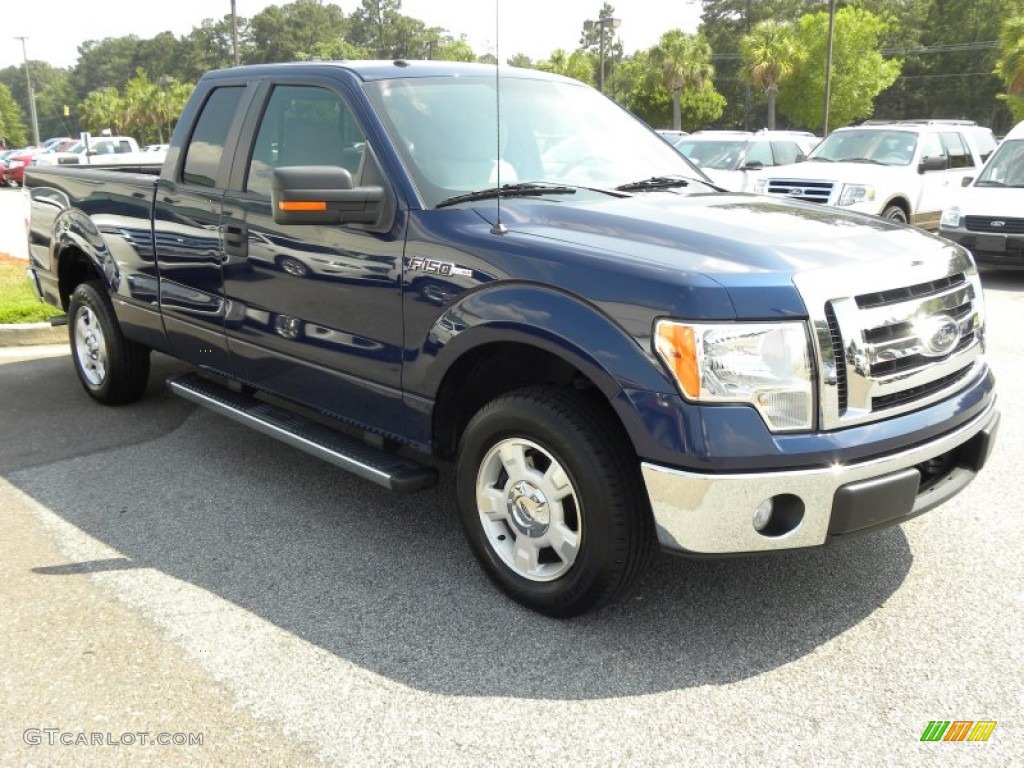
x,y
32,334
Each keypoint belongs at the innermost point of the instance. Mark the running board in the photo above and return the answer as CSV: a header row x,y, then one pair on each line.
x,y
386,469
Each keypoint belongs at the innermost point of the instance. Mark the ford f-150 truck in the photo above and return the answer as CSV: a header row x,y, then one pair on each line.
x,y
503,269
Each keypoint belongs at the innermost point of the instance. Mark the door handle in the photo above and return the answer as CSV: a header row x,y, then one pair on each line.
x,y
236,239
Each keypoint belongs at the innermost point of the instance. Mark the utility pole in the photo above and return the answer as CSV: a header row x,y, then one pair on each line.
x,y
31,93
234,33
828,63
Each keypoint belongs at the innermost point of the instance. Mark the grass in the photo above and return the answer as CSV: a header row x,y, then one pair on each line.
x,y
18,301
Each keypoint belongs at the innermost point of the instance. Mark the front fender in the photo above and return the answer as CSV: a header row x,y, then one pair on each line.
x,y
542,317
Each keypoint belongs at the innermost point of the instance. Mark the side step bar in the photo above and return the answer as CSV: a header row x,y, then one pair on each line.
x,y
385,469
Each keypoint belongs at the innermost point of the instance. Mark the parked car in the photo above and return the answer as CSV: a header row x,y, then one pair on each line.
x,y
16,163
672,136
102,150
904,171
734,159
988,215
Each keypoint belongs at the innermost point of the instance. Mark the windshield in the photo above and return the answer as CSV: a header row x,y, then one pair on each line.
x,y
1006,166
884,147
717,155
551,131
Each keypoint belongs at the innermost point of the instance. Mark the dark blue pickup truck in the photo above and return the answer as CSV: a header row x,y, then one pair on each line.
x,y
383,262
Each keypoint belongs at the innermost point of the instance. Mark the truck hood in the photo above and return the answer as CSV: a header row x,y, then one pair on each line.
x,y
851,173
750,245
1003,202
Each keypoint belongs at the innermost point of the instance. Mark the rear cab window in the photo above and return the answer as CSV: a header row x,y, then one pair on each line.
x,y
206,147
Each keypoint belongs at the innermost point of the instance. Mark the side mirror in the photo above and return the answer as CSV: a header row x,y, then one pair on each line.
x,y
323,194
755,165
966,181
939,163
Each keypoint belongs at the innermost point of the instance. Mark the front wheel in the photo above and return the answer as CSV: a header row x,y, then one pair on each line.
x,y
551,499
112,369
895,213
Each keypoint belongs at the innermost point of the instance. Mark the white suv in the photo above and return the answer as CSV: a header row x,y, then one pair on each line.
x,y
903,171
734,160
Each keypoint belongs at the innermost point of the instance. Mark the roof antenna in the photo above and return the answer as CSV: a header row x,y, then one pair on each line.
x,y
498,228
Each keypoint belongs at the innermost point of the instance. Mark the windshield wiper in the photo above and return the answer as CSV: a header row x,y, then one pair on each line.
x,y
820,160
863,160
654,182
508,190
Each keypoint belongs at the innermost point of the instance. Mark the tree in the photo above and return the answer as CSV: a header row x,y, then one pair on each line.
x,y
577,65
291,32
102,109
769,55
1010,65
520,60
637,86
12,120
683,62
454,50
381,28
859,72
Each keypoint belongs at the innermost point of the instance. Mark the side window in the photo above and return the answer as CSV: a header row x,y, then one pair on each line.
x,y
759,152
304,125
786,152
956,150
202,158
931,146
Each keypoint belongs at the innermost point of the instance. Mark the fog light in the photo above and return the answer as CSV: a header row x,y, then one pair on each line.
x,y
763,515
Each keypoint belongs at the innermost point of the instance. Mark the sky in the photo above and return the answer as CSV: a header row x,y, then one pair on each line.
x,y
533,27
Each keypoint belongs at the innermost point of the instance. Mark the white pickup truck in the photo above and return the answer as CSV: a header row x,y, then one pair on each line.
x,y
903,171
99,150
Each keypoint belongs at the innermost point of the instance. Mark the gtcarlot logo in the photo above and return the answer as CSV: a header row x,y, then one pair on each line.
x,y
53,737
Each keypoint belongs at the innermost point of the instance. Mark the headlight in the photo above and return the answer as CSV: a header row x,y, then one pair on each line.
x,y
950,217
856,193
760,186
765,364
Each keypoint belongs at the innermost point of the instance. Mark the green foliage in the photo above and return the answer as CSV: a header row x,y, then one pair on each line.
x,y
604,33
770,54
454,50
578,65
146,109
12,121
859,72
683,62
645,96
291,32
1010,64
379,27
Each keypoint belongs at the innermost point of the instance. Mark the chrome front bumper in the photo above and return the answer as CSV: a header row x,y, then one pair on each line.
x,y
713,514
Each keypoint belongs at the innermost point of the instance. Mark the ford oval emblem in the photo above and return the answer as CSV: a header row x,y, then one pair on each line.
x,y
795,192
939,335
998,223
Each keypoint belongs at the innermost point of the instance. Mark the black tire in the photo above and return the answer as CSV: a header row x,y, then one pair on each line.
x,y
606,512
112,369
895,213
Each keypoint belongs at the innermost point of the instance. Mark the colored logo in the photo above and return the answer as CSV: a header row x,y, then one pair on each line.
x,y
958,730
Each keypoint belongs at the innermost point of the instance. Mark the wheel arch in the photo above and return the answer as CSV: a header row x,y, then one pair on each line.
x,y
569,343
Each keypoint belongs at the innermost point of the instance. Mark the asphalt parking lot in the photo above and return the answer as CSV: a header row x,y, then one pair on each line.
x,y
167,571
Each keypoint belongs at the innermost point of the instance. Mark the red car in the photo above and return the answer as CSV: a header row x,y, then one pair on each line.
x,y
16,163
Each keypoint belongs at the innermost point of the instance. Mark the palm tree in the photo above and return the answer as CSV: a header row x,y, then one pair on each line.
x,y
1010,65
578,65
101,109
684,61
770,54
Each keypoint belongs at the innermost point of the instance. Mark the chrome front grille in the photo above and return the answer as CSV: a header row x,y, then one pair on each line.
x,y
886,350
802,189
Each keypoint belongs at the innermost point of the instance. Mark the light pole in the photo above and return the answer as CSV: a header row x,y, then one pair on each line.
x,y
31,93
601,24
234,33
828,63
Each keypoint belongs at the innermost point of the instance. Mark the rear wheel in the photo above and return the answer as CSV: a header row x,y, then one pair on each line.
x,y
112,369
551,500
